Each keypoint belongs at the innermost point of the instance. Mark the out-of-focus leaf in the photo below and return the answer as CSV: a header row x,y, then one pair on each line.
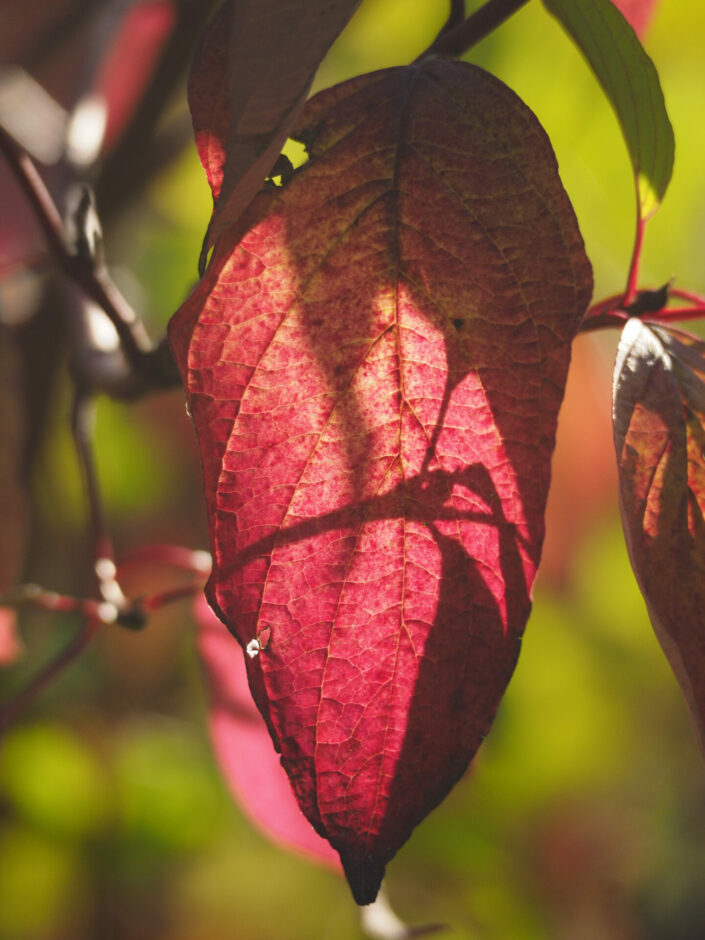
x,y
10,646
375,373
659,428
632,85
167,798
583,475
244,748
76,804
638,13
247,87
130,62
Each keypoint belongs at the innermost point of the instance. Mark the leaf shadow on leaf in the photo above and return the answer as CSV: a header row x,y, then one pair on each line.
x,y
448,719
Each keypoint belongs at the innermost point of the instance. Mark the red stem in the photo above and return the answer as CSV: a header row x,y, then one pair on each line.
x,y
676,313
603,320
631,288
176,556
688,295
12,709
155,601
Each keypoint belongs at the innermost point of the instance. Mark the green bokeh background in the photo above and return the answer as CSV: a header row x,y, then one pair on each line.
x,y
583,817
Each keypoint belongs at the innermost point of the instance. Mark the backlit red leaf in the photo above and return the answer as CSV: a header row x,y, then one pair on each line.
x,y
248,84
374,372
659,427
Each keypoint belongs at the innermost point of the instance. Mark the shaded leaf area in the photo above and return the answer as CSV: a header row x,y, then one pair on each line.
x,y
659,428
631,83
374,372
244,749
247,86
638,13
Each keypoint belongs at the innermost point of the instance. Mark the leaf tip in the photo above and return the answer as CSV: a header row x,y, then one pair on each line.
x,y
364,874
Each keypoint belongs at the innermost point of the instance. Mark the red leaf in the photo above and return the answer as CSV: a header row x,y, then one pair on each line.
x,y
244,749
638,12
10,646
248,84
375,373
659,426
130,61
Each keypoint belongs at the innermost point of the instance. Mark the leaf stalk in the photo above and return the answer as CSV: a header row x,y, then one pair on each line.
x,y
461,38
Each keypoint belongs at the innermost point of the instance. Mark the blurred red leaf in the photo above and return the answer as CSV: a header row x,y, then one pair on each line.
x,y
244,748
638,12
131,59
375,373
659,427
583,474
10,646
248,84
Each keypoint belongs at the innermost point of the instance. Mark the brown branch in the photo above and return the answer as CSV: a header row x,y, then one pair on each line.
x,y
82,422
481,23
152,367
94,281
456,16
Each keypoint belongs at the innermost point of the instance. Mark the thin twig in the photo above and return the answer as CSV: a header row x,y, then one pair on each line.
x,y
697,299
604,320
456,16
676,313
153,602
173,556
11,709
82,425
93,280
479,24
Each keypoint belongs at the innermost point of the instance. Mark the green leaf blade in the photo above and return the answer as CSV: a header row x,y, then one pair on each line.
x,y
630,81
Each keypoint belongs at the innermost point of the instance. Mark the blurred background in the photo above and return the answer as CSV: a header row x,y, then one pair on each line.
x,y
583,817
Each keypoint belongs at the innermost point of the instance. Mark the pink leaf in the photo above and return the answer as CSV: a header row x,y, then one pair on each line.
x,y
638,12
244,749
130,61
375,372
10,646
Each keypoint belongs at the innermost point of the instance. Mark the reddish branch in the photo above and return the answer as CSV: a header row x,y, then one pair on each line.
x,y
10,710
631,288
465,35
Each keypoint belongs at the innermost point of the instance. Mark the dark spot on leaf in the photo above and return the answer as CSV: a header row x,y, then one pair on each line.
x,y
458,323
